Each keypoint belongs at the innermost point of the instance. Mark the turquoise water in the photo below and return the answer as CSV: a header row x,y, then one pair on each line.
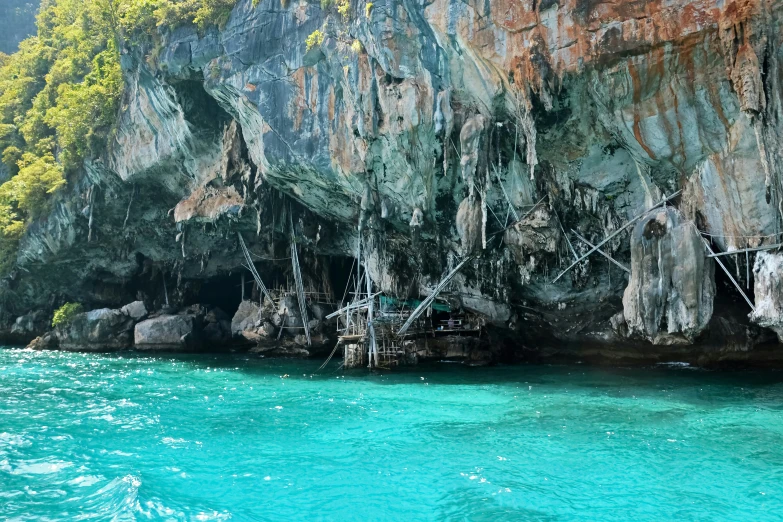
x,y
90,436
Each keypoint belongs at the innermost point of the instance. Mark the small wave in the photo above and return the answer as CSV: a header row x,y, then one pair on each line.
x,y
84,481
11,439
674,364
215,515
117,498
39,468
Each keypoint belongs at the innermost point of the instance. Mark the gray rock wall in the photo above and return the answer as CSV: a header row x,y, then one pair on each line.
x,y
451,119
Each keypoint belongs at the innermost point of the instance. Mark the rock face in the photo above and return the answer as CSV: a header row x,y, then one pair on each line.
x,y
135,310
17,22
768,274
669,296
29,326
97,330
421,145
246,317
262,327
167,332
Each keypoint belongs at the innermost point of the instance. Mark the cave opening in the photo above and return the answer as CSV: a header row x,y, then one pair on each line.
x,y
201,110
342,275
225,291
729,300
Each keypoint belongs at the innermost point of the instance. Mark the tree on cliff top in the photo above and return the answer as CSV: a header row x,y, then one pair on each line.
x,y
60,94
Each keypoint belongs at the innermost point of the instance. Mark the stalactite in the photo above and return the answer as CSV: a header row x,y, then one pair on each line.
x,y
127,212
758,130
484,220
525,117
92,210
165,290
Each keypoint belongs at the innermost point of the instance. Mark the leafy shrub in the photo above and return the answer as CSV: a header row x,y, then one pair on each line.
x,y
315,39
202,13
65,314
344,8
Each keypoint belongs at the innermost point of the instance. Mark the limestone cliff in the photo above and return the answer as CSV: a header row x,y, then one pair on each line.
x,y
435,129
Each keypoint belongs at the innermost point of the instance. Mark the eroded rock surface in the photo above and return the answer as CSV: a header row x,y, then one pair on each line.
x,y
421,147
100,330
768,274
167,332
671,289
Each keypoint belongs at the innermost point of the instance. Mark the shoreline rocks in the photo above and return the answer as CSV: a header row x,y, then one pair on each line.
x,y
167,332
102,329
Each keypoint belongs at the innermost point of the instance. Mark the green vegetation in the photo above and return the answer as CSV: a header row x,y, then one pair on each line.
x,y
315,39
65,314
60,93
344,8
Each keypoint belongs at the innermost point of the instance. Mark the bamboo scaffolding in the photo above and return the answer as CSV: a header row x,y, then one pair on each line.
x,y
616,233
607,256
746,250
526,214
299,287
250,266
373,355
356,304
336,346
709,249
430,298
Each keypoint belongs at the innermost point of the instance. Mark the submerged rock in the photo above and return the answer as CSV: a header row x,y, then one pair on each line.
x,y
47,341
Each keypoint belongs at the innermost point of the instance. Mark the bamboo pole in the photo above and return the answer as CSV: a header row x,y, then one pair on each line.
x,y
746,250
607,256
300,295
617,232
570,246
508,199
250,266
526,214
358,304
370,313
709,249
430,298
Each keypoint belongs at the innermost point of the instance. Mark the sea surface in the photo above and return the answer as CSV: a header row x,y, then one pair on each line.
x,y
133,437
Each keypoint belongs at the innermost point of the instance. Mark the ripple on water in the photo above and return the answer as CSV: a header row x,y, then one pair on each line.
x,y
96,437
